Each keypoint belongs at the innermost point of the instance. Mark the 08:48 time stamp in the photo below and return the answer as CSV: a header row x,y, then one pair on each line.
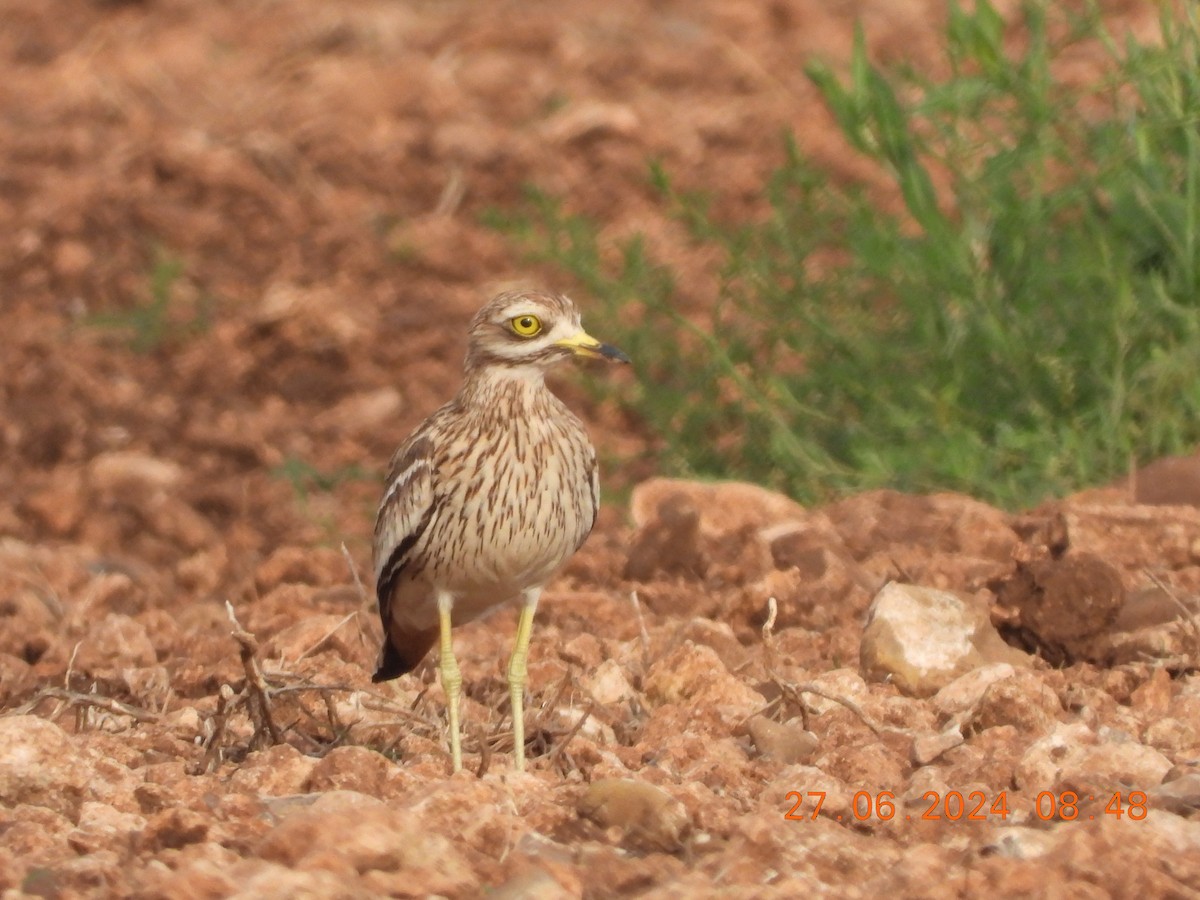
x,y
975,806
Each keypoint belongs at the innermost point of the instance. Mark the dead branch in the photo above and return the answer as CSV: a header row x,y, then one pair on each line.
x,y
643,634
561,747
227,702
258,699
79,699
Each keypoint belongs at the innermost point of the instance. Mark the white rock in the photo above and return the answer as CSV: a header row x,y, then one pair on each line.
x,y
103,828
1019,842
122,470
964,693
608,684
1074,754
928,747
921,639
845,684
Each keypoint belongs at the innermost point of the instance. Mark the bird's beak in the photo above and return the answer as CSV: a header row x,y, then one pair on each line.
x,y
583,344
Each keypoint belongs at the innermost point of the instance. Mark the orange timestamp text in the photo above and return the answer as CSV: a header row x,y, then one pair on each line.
x,y
975,806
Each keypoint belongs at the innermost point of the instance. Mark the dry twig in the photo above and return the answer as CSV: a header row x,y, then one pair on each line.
x,y
258,698
227,702
561,747
643,634
78,699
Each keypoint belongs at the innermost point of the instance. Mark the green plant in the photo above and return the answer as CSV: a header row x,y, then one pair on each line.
x,y
1028,322
306,478
150,324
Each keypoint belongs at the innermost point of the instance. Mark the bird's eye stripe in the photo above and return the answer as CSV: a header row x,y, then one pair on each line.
x,y
526,326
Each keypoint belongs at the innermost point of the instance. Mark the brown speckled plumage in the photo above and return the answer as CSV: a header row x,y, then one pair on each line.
x,y
494,491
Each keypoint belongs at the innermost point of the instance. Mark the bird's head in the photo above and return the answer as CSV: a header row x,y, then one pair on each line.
x,y
523,329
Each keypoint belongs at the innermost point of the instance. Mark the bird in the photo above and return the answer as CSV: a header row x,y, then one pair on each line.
x,y
487,498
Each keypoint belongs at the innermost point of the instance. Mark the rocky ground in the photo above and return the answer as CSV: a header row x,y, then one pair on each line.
x,y
243,241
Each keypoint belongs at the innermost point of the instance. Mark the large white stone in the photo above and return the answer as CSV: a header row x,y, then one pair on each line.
x,y
921,639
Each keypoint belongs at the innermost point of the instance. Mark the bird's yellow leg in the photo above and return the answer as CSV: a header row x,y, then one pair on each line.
x,y
451,682
518,675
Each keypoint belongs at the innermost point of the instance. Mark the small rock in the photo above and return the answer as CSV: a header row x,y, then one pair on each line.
x,y
175,519
1022,701
536,884
1172,643
126,472
964,693
115,642
812,784
1180,796
921,639
353,769
309,316
583,650
647,817
1154,695
41,766
784,742
184,723
1172,735
928,747
1019,842
1075,755
201,572
811,545
608,684
341,830
102,873
1182,770
588,119
101,827
720,636
174,828
694,674
276,771
35,834
844,684
723,506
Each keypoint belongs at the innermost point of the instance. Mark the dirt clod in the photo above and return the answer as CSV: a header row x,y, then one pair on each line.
x,y
1056,603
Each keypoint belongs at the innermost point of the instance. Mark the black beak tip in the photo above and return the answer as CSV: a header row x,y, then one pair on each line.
x,y
608,351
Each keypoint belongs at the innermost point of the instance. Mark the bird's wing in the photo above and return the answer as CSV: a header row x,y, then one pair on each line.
x,y
594,479
404,514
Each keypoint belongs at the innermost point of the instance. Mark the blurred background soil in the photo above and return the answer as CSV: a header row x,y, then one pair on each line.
x,y
241,245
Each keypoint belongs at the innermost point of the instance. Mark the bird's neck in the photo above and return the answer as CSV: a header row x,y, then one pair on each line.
x,y
485,386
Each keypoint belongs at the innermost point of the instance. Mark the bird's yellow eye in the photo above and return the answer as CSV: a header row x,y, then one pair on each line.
x,y
526,326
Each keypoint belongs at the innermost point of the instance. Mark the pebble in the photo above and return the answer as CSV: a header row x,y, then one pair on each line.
x,y
647,816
